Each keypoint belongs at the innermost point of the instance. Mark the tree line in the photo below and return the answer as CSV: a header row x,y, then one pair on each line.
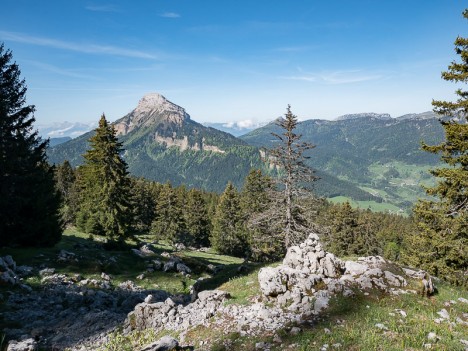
x,y
258,222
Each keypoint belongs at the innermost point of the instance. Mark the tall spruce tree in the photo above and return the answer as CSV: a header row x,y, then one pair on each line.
x,y
441,242
144,196
196,218
29,203
228,235
255,201
295,180
168,223
65,179
105,207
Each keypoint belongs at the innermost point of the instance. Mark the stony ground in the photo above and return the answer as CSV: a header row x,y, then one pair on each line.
x,y
82,297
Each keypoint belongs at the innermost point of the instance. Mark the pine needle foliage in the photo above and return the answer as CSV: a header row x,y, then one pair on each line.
x,y
105,206
228,234
255,201
295,178
168,223
29,203
441,243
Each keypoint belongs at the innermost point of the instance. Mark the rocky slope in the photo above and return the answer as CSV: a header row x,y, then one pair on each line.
x,y
69,312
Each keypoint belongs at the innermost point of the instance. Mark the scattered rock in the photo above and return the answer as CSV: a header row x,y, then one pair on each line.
x,y
106,277
295,331
180,247
211,268
66,256
381,326
166,343
183,268
443,313
262,346
147,250
46,271
24,345
157,265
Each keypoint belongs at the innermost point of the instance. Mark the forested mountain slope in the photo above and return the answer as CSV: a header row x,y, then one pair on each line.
x,y
365,157
375,152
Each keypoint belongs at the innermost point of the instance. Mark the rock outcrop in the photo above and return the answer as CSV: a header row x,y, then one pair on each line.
x,y
309,276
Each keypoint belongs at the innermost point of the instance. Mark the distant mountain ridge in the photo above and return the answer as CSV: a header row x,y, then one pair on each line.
x,y
364,115
360,148
64,129
163,143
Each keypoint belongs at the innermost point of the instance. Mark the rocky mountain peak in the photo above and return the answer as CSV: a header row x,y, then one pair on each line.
x,y
153,108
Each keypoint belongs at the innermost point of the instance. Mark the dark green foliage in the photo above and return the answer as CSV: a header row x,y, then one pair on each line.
x,y
343,230
29,203
168,223
255,200
196,218
105,207
144,195
347,231
441,243
65,180
228,236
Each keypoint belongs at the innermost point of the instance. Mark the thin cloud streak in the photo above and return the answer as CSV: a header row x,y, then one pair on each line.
x,y
60,71
83,48
169,15
337,77
102,8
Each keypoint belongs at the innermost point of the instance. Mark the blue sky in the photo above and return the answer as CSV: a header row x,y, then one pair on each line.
x,y
233,60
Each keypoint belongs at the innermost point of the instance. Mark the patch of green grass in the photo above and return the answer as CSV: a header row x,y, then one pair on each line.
x,y
242,288
354,323
373,205
134,340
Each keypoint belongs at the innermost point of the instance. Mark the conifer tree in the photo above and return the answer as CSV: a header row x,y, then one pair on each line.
x,y
228,236
344,229
255,201
65,179
105,207
441,242
196,218
296,176
29,202
144,195
168,223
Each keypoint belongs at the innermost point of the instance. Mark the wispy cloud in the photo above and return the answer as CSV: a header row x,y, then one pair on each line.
x,y
337,77
170,15
294,48
78,47
102,8
61,71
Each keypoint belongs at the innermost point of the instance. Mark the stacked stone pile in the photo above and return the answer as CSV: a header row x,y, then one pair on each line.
x,y
309,276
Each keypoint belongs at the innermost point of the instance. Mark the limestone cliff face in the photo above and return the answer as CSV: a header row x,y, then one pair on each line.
x,y
169,124
152,109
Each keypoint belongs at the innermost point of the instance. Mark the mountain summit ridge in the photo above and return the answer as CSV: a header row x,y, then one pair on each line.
x,y
152,109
